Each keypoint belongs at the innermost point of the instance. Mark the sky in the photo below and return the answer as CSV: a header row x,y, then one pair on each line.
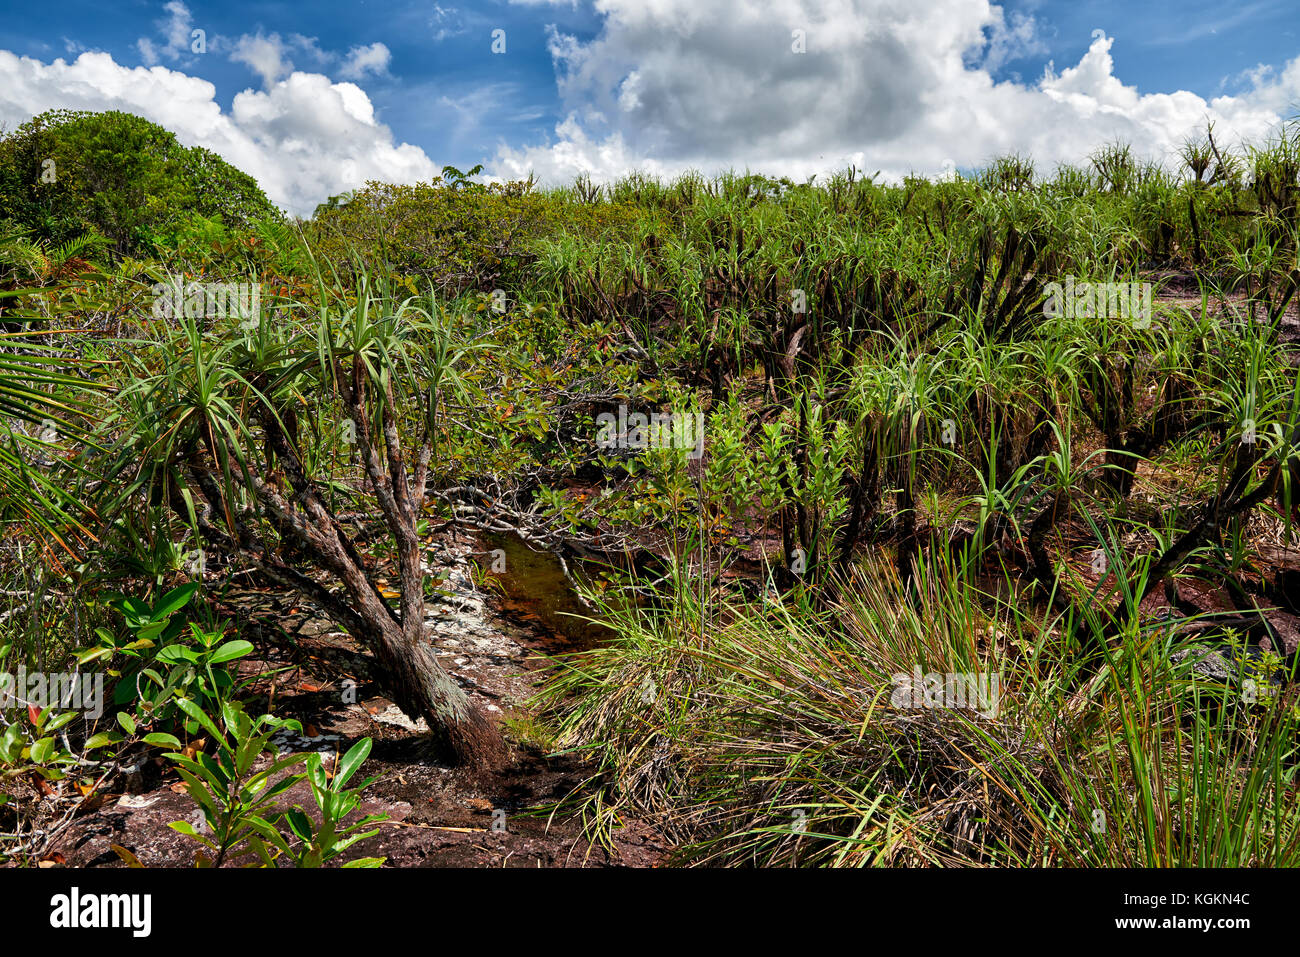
x,y
317,98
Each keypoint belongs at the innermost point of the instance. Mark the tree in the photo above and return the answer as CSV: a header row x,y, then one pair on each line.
x,y
215,428
67,172
453,233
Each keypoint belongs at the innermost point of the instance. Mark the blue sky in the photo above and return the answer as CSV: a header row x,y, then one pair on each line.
x,y
445,90
312,98
1203,46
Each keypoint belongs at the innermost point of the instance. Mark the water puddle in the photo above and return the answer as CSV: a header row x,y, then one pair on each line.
x,y
534,589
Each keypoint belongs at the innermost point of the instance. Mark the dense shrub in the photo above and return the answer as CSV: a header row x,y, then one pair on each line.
x,y
66,172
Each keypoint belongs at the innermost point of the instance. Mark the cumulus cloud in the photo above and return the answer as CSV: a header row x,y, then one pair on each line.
x,y
267,56
894,85
176,29
303,138
365,59
900,86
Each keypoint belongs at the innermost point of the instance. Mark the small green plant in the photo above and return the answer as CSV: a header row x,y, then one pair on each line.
x,y
233,798
164,667
328,840
39,749
237,802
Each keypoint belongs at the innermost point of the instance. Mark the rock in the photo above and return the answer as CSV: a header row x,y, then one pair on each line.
x,y
1207,662
137,802
393,716
1217,666
1286,628
141,777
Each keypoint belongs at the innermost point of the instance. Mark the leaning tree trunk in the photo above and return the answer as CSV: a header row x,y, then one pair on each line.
x,y
417,683
412,675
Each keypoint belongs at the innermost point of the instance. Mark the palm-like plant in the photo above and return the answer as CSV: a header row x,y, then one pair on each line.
x,y
40,399
211,427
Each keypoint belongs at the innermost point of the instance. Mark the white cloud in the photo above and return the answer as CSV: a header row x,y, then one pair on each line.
x,y
366,59
896,85
303,138
176,29
1010,41
902,86
266,56
270,56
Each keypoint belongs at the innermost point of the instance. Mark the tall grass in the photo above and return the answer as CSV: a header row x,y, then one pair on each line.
x,y
771,737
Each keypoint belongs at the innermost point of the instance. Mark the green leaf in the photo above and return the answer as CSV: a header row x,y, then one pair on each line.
x,y
175,654
133,609
151,630
186,829
194,770
260,849
195,712
299,823
217,768
174,601
351,761
162,740
230,651
60,720
9,743
93,654
282,785
347,842
235,719
126,721
42,750
199,793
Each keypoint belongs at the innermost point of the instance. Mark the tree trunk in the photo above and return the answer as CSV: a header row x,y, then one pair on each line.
x,y
412,675
417,683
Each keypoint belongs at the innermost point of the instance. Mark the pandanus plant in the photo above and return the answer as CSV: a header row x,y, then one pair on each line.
x,y
216,436
45,399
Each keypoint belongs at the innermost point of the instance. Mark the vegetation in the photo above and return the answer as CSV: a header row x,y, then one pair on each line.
x,y
68,173
989,556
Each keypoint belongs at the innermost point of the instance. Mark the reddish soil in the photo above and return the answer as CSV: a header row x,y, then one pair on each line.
x,y
437,815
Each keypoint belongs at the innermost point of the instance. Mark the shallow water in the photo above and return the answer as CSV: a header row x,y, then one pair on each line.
x,y
534,588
